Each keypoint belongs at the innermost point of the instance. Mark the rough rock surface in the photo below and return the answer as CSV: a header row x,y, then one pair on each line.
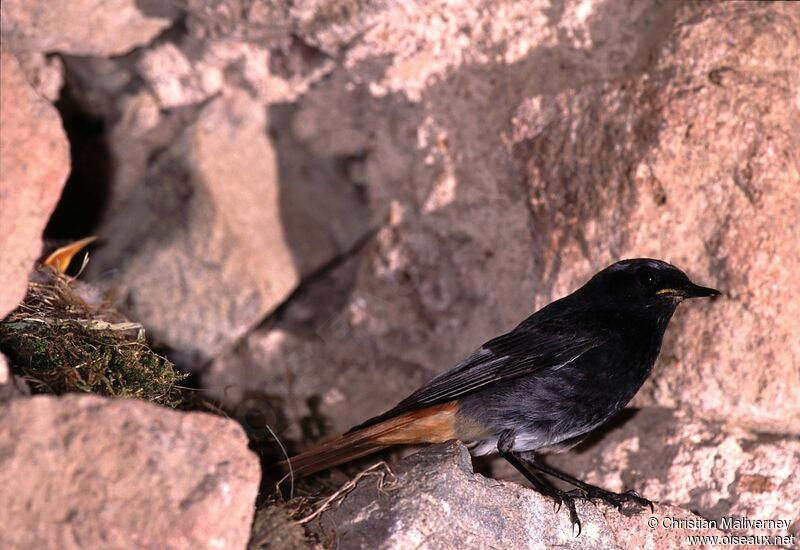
x,y
707,467
223,226
506,180
207,258
436,488
82,471
34,163
6,388
84,27
455,261
698,163
10,385
45,74
191,70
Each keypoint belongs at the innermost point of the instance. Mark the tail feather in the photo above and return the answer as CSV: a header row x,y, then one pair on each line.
x,y
430,425
331,453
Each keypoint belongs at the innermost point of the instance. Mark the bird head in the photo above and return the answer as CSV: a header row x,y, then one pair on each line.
x,y
644,282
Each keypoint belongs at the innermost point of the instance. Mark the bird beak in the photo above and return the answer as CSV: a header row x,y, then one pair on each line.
x,y
696,291
691,290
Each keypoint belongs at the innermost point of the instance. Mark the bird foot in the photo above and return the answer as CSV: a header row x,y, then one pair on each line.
x,y
614,499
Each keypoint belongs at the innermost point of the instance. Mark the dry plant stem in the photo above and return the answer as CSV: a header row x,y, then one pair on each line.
x,y
348,487
290,475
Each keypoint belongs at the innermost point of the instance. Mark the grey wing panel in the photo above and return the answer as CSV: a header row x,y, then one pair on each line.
x,y
511,355
504,358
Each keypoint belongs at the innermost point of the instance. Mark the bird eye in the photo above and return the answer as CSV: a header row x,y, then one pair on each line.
x,y
646,277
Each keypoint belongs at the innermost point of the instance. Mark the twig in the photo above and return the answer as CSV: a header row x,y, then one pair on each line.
x,y
348,487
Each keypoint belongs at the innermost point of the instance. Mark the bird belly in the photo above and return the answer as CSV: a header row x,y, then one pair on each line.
x,y
551,411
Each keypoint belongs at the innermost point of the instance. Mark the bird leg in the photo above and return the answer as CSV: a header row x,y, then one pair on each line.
x,y
505,444
585,490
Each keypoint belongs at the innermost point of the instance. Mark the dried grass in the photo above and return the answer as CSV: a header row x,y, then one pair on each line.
x,y
60,343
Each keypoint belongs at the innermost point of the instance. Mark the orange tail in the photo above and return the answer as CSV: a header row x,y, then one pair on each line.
x,y
430,425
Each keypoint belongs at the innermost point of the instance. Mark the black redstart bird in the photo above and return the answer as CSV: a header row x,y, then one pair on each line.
x,y
543,387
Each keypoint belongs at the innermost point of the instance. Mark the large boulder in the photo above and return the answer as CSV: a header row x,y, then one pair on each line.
x,y
226,221
435,501
198,250
84,471
34,164
84,27
694,161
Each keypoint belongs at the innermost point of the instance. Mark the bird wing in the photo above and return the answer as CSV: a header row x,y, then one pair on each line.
x,y
523,351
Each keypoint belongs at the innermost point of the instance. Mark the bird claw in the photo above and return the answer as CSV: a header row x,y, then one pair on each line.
x,y
566,499
613,499
633,496
573,518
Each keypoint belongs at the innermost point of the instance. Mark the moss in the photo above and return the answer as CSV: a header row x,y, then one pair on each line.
x,y
60,344
274,527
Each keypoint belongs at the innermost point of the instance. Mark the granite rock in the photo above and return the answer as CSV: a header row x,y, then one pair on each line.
x,y
34,164
436,501
82,471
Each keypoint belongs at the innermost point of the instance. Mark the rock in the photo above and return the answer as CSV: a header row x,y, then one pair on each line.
x,y
45,74
84,471
10,385
674,459
138,136
191,71
84,27
437,502
200,255
34,164
7,389
225,224
99,85
258,22
455,262
173,79
693,162
324,211
275,528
